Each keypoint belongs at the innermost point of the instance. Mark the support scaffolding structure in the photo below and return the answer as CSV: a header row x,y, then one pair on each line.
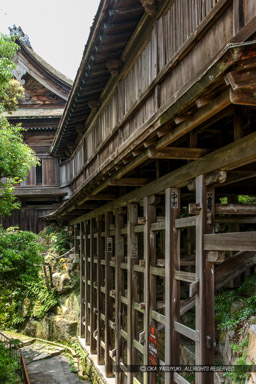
x,y
145,266
162,124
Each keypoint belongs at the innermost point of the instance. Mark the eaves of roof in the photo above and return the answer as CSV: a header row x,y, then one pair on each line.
x,y
113,26
45,67
232,54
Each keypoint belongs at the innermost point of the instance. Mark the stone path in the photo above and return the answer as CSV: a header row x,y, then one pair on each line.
x,y
46,363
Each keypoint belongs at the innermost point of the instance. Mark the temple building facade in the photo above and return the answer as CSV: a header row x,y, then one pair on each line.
x,y
46,92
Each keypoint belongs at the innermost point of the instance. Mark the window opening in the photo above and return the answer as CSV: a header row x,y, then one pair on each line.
x,y
39,174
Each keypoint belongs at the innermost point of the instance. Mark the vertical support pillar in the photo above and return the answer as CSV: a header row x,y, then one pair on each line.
x,y
200,302
205,274
100,281
108,304
132,253
92,290
87,279
172,286
209,286
76,242
149,243
119,253
82,282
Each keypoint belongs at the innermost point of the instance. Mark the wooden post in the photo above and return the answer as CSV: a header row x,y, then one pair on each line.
x,y
119,254
149,241
92,290
172,286
109,245
82,282
205,275
209,286
132,254
87,278
100,282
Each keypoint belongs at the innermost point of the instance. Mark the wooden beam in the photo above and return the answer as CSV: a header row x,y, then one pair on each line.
x,y
101,197
236,209
133,182
202,101
233,268
236,176
200,117
232,241
180,119
86,206
236,154
241,79
214,178
243,97
177,153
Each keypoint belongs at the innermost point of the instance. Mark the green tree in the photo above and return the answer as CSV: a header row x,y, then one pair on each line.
x,y
16,158
20,263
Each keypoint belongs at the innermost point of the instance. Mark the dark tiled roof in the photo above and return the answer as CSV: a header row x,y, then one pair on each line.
x,y
113,26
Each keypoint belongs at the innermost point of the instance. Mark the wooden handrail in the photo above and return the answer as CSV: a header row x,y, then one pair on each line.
x,y
23,364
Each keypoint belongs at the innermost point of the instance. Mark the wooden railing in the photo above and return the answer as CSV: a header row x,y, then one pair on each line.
x,y
147,83
16,353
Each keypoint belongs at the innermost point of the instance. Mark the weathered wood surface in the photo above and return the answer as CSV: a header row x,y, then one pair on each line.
x,y
28,219
172,285
243,241
118,120
234,155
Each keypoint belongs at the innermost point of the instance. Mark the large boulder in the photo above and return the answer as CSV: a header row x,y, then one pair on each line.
x,y
61,282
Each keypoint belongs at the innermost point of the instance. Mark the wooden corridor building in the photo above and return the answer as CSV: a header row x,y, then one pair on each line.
x,y
159,126
46,92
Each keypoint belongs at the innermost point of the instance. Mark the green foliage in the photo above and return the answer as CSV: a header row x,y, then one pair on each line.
x,y
8,367
246,293
82,356
19,258
60,241
44,300
244,199
20,261
7,51
56,239
72,367
16,158
240,374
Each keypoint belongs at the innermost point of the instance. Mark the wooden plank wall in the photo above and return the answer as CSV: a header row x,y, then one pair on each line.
x,y
144,267
119,120
50,169
27,219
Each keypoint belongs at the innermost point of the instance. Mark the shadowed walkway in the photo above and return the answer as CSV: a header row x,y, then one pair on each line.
x,y
52,370
46,365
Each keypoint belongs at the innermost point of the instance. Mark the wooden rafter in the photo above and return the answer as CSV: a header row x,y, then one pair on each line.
x,y
127,181
177,153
